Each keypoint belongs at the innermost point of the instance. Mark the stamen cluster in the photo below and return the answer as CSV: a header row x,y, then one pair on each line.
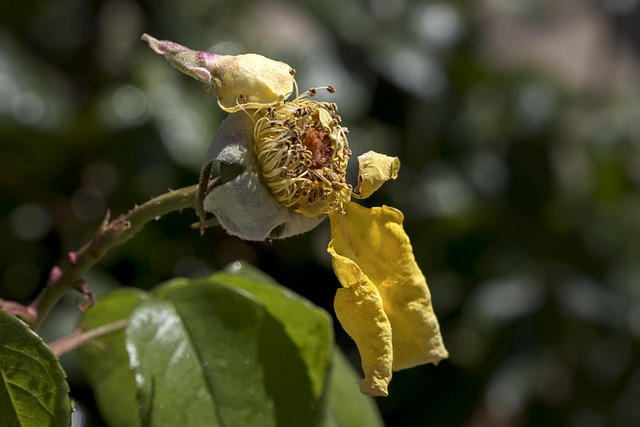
x,y
303,153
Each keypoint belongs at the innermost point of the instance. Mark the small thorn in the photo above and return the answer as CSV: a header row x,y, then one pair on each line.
x,y
72,258
105,222
83,287
54,275
121,224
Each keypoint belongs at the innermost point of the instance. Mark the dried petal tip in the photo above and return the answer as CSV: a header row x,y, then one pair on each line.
x,y
163,46
240,81
374,170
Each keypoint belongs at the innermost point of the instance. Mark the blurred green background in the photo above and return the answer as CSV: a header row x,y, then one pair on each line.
x,y
517,123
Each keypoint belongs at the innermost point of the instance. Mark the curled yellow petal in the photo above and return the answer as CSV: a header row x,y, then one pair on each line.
x,y
374,170
375,243
359,309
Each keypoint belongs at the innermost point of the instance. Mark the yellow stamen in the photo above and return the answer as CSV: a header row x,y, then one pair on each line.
x,y
303,153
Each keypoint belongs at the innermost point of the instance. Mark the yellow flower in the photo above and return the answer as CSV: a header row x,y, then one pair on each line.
x,y
290,161
283,168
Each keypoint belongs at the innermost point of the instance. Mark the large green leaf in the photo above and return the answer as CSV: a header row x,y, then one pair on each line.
x,y
33,389
309,326
232,349
106,361
172,387
347,406
251,365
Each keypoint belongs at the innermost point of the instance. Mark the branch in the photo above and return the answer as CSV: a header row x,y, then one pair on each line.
x,y
77,339
109,235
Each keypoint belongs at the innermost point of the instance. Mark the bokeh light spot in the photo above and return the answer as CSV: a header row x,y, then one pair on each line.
x,y
417,73
129,104
439,23
503,400
508,299
28,108
488,173
183,134
88,203
443,192
30,222
102,176
8,90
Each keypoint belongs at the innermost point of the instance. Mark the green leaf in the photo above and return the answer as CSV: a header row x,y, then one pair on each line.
x,y
347,406
107,362
309,326
232,349
250,364
33,389
172,389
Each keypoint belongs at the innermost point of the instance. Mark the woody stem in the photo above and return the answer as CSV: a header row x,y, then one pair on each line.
x,y
108,235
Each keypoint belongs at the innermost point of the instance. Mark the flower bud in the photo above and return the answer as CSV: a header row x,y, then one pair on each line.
x,y
243,205
239,81
283,167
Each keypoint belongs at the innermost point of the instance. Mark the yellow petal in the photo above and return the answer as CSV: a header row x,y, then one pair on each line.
x,y
377,245
253,81
374,170
240,81
359,309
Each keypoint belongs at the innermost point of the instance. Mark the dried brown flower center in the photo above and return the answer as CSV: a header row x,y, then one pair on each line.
x,y
303,154
318,142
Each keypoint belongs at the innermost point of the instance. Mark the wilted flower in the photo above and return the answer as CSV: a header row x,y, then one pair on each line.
x,y
283,170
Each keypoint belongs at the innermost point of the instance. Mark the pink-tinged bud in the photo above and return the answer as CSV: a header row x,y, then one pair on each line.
x,y
239,81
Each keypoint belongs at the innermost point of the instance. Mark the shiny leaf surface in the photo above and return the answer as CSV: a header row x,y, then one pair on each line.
x,y
33,389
